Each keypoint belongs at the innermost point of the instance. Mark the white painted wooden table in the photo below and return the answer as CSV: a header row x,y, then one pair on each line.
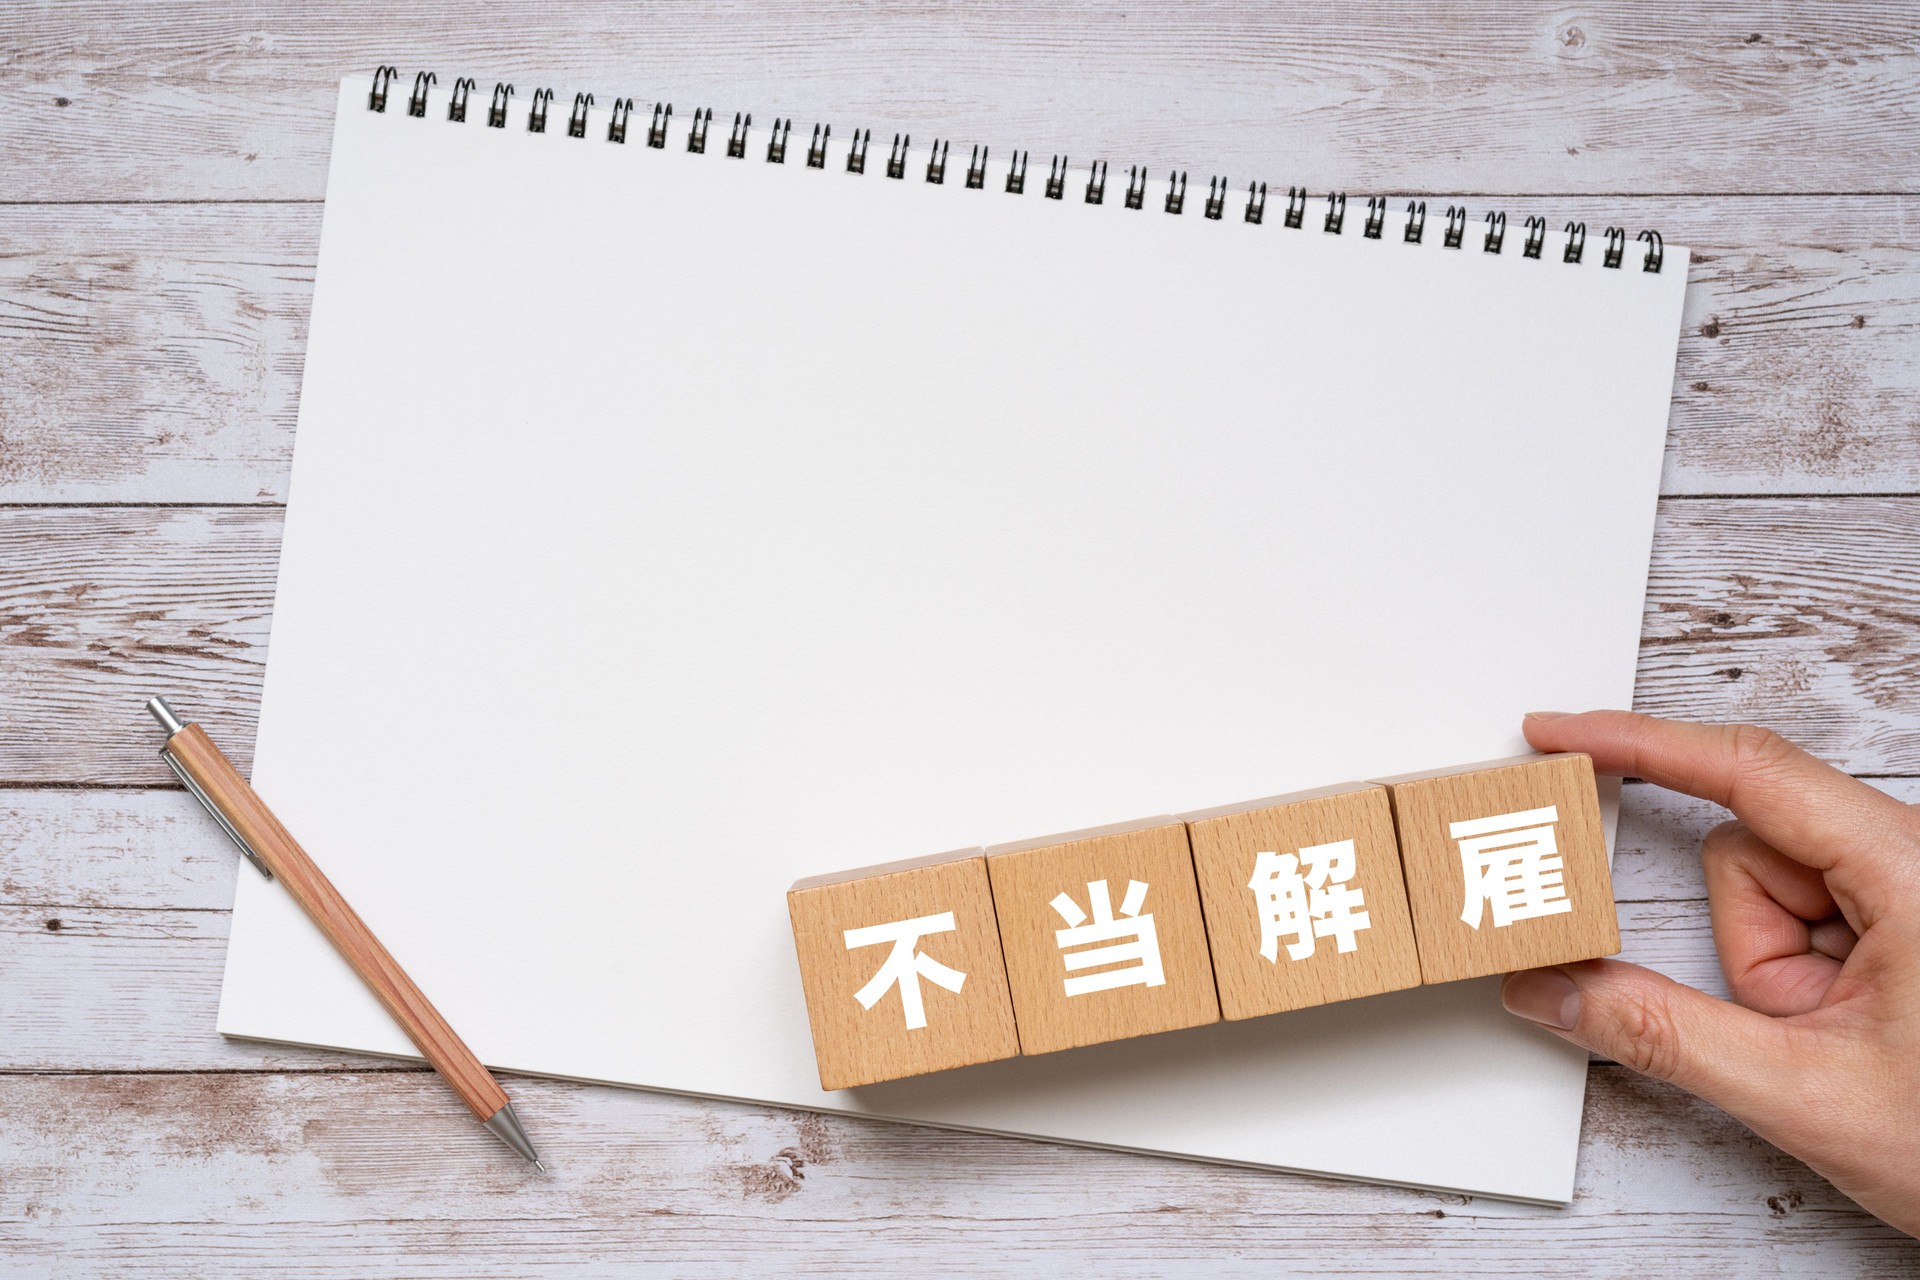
x,y
161,172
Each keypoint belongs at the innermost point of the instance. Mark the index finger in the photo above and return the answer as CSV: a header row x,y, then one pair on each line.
x,y
1864,841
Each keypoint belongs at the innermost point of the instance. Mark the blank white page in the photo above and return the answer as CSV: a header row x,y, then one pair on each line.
x,y
667,527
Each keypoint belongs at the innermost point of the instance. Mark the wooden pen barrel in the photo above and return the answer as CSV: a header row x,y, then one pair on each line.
x,y
214,774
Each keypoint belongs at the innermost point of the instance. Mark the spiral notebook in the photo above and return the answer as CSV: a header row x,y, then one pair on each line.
x,y
682,506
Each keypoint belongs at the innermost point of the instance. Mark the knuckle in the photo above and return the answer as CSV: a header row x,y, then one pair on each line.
x,y
1647,1035
1724,837
1759,750
1726,845
1759,758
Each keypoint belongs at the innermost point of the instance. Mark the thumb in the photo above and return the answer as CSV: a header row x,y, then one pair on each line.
x,y
1731,1056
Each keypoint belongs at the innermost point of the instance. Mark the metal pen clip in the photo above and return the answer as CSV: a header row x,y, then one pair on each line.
x,y
172,724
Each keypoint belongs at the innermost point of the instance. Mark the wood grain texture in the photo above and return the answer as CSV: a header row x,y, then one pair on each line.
x,y
855,1045
144,849
101,609
219,99
136,885
1802,614
323,904
1226,857
1059,1001
1808,619
1549,803
152,353
381,1175
113,925
138,989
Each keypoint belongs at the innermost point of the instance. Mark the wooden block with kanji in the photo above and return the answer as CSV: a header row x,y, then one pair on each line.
x,y
902,970
1303,898
1505,864
1103,935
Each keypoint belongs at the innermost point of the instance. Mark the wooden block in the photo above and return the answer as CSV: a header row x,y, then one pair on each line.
x,y
1103,935
1505,864
1303,899
902,970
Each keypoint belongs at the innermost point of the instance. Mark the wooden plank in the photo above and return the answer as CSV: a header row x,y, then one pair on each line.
x,y
220,99
133,987
100,609
155,850
136,850
113,925
105,988
1799,613
153,353
381,1175
130,889
101,988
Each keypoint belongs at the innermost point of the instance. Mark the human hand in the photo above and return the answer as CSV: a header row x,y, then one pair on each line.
x,y
1815,898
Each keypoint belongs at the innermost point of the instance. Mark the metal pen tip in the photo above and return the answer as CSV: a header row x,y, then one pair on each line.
x,y
505,1125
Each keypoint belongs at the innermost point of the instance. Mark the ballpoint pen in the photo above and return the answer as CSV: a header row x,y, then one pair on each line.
x,y
216,784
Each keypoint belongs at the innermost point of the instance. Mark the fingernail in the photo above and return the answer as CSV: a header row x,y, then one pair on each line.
x,y
1545,996
1544,715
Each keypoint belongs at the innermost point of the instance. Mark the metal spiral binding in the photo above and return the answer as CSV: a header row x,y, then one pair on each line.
x,y
1296,207
1576,242
1416,222
417,104
1059,171
1616,248
1216,198
1536,236
382,81
1656,251
1496,232
1376,217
